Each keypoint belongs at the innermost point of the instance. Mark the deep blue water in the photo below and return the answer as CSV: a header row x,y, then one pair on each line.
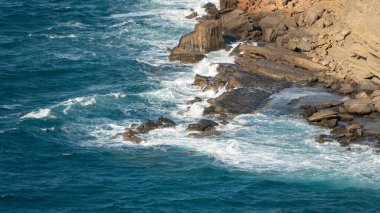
x,y
74,73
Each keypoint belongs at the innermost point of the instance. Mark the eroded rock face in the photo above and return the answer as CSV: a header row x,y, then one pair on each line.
x,y
206,37
238,25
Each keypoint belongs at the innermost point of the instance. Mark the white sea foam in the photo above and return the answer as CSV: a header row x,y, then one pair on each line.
x,y
41,113
83,101
61,36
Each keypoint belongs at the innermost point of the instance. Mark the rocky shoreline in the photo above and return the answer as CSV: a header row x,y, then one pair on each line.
x,y
284,43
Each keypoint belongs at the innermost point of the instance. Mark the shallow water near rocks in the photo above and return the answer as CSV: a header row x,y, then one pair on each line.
x,y
74,73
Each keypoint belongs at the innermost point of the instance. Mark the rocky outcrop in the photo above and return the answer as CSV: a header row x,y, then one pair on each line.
x,y
206,37
134,135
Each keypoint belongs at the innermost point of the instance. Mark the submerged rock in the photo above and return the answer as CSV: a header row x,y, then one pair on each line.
x,y
130,135
202,125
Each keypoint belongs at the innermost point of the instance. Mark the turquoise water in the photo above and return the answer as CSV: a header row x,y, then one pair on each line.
x,y
74,73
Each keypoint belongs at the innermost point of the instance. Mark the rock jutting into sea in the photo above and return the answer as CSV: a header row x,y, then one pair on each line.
x,y
296,42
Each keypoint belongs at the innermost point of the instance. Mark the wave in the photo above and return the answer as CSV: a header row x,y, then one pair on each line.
x,y
39,114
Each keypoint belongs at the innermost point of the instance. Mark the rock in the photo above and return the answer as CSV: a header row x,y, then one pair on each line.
x,y
345,117
324,139
313,15
212,12
362,95
232,76
326,123
348,133
238,101
358,106
130,135
326,114
202,125
192,15
147,127
375,93
238,25
184,56
275,70
273,53
163,122
371,133
202,81
195,100
376,104
206,37
227,5
346,89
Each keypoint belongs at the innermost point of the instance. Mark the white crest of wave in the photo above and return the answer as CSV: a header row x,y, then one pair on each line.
x,y
83,101
41,113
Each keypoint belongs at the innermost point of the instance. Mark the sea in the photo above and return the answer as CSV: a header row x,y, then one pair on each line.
x,y
74,73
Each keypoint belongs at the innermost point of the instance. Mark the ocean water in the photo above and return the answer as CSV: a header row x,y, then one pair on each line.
x,y
74,73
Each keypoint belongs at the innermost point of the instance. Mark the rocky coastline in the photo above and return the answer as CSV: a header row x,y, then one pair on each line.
x,y
283,43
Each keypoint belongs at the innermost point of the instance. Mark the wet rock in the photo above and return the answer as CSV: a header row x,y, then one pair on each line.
x,y
232,76
371,133
146,127
327,123
202,82
195,100
324,139
349,133
238,101
203,134
358,106
163,122
192,15
326,114
132,136
202,125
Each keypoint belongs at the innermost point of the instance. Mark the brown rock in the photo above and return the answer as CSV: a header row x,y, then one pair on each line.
x,y
346,89
362,95
326,114
131,135
206,37
195,100
358,106
375,93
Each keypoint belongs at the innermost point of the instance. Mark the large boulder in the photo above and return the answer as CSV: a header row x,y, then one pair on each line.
x,y
206,37
359,106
